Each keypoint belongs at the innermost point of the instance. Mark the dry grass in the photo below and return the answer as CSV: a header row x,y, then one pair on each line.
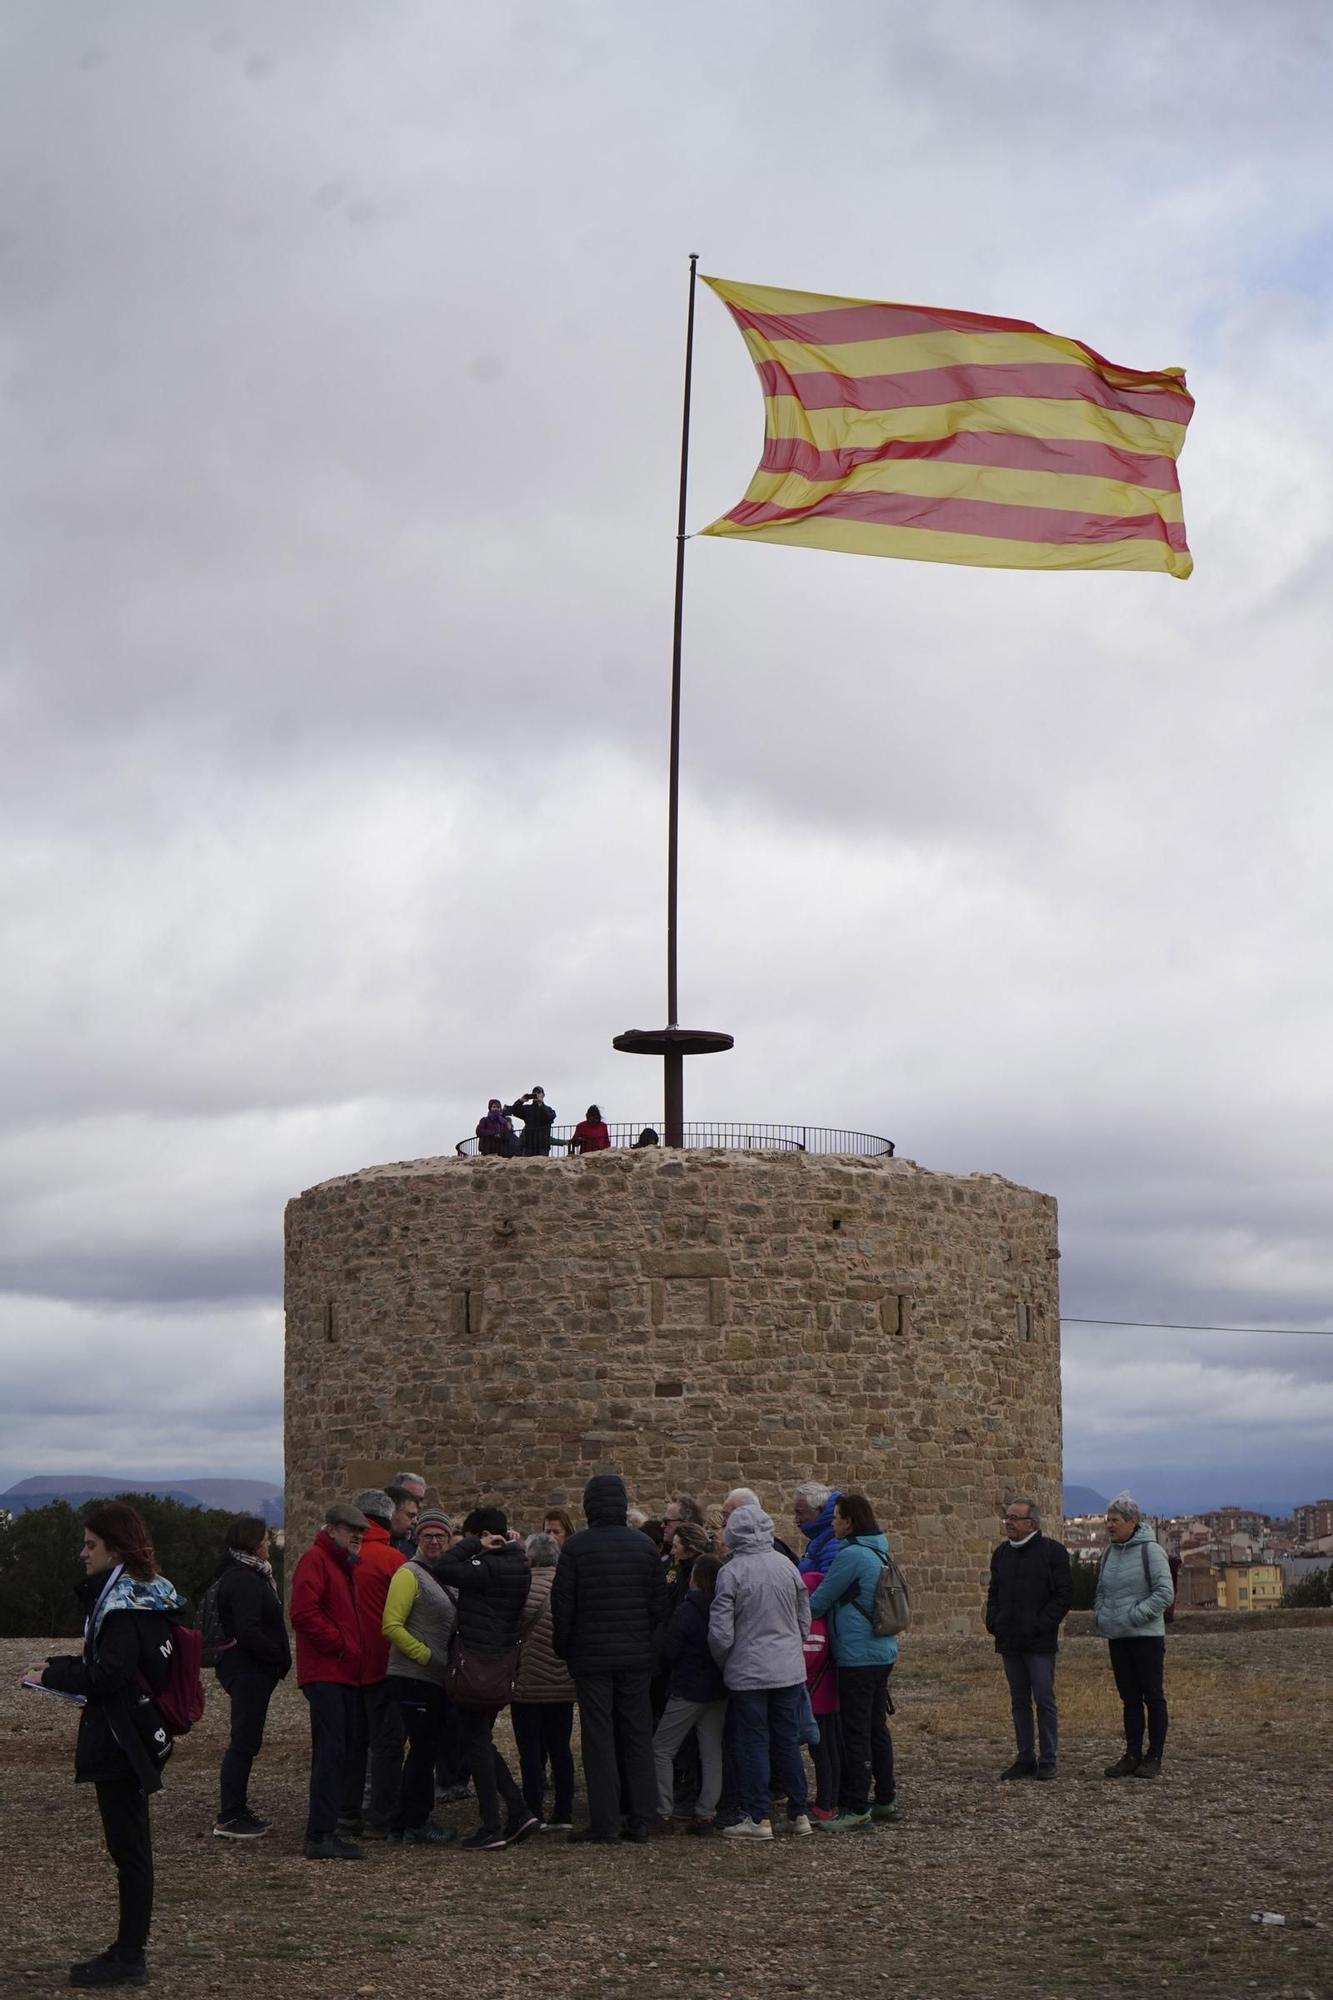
x,y
1082,1888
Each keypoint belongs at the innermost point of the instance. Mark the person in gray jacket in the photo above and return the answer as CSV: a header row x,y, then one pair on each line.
x,y
757,1627
418,1622
1134,1591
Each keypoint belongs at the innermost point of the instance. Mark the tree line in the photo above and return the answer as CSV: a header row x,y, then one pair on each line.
x,y
40,1567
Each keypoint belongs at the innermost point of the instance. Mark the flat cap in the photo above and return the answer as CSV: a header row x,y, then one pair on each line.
x,y
340,1515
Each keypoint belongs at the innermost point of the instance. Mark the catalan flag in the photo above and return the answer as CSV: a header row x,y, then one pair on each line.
x,y
952,437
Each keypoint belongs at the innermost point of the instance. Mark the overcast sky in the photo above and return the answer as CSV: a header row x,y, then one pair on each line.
x,y
341,362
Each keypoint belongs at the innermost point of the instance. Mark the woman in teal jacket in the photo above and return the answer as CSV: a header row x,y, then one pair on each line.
x,y
846,1598
1134,1592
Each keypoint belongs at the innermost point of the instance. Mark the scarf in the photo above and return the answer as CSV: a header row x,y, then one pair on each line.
x,y
121,1592
253,1562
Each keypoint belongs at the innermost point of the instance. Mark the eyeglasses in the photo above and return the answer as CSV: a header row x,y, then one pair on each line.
x,y
1020,1519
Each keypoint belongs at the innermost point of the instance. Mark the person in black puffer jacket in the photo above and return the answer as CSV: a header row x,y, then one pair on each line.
x,y
122,1743
258,1657
489,1570
607,1603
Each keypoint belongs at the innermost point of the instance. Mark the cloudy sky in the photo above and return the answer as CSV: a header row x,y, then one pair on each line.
x,y
341,354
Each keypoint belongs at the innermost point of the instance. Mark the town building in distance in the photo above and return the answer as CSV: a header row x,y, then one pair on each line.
x,y
1232,1559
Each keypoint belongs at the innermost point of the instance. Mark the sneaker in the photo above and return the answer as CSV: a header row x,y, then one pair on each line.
x,y
1148,1767
592,1837
748,1829
452,1795
844,1822
702,1826
333,1848
1124,1767
885,1815
638,1831
241,1826
823,1813
1020,1768
801,1824
518,1830
556,1826
483,1842
111,1968
426,1835
1046,1772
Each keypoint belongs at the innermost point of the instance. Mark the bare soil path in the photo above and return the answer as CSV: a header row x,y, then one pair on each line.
x,y
1082,1888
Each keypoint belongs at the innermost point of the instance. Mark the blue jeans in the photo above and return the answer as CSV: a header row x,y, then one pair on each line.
x,y
767,1722
1031,1678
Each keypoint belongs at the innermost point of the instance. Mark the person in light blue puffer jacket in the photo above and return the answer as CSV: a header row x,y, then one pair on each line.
x,y
846,1598
1134,1591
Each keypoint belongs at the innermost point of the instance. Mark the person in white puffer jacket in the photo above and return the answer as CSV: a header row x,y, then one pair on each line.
x,y
1134,1592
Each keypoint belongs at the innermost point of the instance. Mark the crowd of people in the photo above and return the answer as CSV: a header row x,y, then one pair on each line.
x,y
704,1656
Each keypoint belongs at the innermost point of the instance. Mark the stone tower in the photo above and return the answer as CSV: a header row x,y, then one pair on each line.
x,y
694,1320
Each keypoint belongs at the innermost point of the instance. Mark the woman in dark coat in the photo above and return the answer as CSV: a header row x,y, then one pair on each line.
x,y
257,1657
122,1743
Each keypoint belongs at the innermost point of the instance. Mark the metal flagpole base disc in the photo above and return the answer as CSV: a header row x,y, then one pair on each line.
x,y
672,1042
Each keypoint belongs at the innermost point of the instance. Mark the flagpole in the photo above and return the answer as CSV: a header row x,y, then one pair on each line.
x,y
673,781
673,1043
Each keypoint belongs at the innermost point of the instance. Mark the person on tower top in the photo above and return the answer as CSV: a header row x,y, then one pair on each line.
x,y
537,1118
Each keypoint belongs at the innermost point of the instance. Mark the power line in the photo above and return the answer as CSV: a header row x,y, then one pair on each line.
x,y
1189,1326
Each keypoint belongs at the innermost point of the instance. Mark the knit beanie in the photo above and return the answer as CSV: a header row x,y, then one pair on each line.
x,y
376,1502
433,1517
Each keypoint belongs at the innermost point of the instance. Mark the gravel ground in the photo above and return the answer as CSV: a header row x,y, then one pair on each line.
x,y
1078,1888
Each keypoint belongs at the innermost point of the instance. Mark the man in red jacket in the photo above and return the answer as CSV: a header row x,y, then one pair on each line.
x,y
328,1670
379,1736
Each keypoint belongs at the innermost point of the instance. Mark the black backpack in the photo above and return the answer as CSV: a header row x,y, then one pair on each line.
x,y
215,1640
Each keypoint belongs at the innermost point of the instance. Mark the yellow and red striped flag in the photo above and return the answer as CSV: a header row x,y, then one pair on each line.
x,y
895,430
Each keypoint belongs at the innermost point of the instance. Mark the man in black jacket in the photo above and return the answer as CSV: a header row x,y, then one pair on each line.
x,y
1031,1589
488,1569
536,1117
607,1602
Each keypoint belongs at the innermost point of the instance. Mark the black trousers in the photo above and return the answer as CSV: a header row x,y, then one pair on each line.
x,y
616,1714
491,1777
1138,1666
250,1690
826,1756
377,1739
422,1707
543,1729
867,1747
334,1720
450,1763
129,1842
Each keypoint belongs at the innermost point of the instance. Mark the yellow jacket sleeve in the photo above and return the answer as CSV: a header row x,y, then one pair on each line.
x,y
403,1590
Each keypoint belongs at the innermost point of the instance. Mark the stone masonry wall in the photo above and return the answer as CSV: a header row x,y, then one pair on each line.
x,y
694,1320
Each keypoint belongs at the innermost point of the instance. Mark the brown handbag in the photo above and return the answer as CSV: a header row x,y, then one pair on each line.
x,y
480,1680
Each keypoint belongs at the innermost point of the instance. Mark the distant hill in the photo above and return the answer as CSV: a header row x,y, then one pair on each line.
x,y
1083,1500
235,1496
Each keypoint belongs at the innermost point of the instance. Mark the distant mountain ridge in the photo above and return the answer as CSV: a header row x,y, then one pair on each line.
x,y
1083,1500
235,1496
